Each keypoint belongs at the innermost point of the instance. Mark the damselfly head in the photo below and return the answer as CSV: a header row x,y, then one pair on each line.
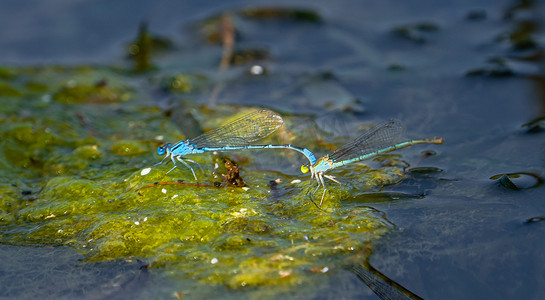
x,y
164,149
305,169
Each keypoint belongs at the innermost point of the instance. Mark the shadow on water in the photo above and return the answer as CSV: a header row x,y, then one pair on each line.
x,y
130,285
384,287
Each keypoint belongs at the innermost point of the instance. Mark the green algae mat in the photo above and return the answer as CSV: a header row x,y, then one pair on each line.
x,y
74,142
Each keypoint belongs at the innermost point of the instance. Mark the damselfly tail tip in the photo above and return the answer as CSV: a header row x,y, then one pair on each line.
x,y
438,140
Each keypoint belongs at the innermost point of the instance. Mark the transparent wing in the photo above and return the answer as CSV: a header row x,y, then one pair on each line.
x,y
241,132
379,137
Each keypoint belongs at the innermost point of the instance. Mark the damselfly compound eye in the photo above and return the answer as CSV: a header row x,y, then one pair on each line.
x,y
161,150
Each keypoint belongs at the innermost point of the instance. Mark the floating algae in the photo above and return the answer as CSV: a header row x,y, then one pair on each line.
x,y
71,175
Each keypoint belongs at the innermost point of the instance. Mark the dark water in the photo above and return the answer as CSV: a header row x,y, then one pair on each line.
x,y
470,237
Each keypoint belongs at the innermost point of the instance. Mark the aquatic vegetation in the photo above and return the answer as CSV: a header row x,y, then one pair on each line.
x,y
99,92
518,181
517,45
8,91
182,83
535,125
496,67
144,46
417,32
244,56
295,14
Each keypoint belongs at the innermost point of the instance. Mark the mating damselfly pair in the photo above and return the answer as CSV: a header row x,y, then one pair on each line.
x,y
239,134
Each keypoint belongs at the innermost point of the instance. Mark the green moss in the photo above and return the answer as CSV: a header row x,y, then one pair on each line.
x,y
96,93
88,152
126,147
36,87
183,83
7,74
8,91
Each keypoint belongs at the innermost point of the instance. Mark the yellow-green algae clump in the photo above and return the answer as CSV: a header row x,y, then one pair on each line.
x,y
71,175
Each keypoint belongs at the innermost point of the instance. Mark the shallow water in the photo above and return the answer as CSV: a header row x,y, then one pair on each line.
x,y
470,72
